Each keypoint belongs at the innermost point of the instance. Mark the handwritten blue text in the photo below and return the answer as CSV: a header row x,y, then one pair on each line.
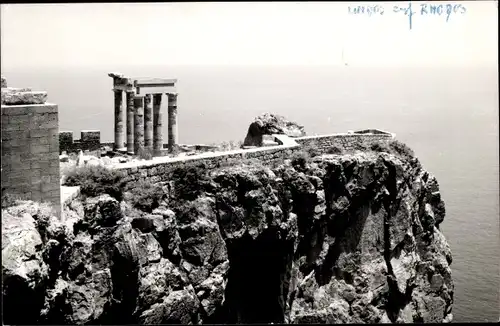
x,y
411,10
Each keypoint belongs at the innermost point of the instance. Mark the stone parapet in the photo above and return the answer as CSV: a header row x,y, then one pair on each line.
x,y
161,168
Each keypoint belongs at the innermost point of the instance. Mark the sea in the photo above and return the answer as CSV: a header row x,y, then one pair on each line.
x,y
448,116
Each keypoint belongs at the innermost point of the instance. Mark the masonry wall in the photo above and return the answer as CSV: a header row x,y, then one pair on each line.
x,y
30,152
89,140
162,171
157,172
342,141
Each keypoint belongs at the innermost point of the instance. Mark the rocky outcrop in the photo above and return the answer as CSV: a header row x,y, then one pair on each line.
x,y
268,124
337,239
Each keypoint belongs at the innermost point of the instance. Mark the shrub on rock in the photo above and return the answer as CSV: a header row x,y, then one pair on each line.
x,y
97,180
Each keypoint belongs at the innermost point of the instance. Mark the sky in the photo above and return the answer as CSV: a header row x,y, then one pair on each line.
x,y
245,33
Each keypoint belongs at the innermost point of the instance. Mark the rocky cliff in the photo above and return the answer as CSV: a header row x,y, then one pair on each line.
x,y
348,238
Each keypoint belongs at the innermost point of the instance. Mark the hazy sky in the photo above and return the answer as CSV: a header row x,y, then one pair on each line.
x,y
250,33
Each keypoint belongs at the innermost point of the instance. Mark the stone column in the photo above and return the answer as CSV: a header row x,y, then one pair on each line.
x,y
148,122
157,124
172,120
119,123
130,122
138,124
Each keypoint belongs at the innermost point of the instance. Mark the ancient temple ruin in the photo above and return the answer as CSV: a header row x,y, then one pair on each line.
x,y
143,122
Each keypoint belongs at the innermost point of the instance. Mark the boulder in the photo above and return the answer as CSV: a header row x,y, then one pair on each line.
x,y
268,124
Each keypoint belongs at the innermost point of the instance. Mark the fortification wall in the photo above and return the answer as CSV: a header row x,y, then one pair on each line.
x,y
30,152
161,169
344,141
89,140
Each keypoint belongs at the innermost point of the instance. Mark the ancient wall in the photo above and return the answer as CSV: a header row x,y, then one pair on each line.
x,y
89,140
345,141
30,146
162,168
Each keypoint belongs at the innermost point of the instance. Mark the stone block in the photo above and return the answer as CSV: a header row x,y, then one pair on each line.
x,y
12,127
19,119
55,193
40,164
14,134
40,141
38,149
46,122
35,173
36,196
47,108
24,165
11,110
36,180
34,133
50,186
53,171
14,97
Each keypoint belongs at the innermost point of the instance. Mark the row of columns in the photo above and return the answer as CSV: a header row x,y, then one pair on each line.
x,y
144,122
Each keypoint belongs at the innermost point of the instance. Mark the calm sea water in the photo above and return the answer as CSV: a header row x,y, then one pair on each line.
x,y
448,116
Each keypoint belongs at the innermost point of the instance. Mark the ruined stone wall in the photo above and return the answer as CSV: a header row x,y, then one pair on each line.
x,y
89,140
30,146
347,141
162,170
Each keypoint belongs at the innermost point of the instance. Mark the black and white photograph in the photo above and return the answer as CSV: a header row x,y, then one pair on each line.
x,y
250,162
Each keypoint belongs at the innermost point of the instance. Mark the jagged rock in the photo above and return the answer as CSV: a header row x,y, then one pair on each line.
x,y
24,273
179,307
268,124
102,211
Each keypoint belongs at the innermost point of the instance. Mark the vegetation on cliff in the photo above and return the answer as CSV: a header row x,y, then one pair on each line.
x,y
322,238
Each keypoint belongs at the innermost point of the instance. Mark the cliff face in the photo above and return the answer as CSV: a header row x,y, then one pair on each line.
x,y
337,239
